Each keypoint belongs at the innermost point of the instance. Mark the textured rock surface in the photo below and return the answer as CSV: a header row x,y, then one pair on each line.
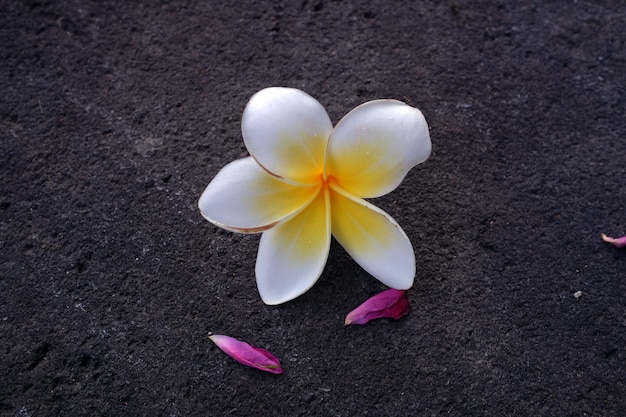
x,y
115,115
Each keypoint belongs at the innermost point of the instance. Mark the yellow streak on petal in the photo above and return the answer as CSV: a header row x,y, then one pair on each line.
x,y
373,239
375,145
360,169
245,198
293,254
307,233
277,198
358,228
303,159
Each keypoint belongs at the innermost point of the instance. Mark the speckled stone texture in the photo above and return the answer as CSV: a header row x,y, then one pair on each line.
x,y
114,116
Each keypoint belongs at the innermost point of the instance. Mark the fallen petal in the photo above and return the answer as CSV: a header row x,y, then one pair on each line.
x,y
618,242
391,303
248,355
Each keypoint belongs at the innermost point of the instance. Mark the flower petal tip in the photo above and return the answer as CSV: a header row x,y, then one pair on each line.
x,y
248,355
391,303
617,242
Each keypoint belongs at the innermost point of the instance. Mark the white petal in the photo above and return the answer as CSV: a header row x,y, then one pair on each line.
x,y
293,254
286,131
374,146
373,239
244,198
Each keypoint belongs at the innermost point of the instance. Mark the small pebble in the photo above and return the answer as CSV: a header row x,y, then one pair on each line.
x,y
578,294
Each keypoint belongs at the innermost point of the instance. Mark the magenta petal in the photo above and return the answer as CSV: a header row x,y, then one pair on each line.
x,y
248,355
619,242
391,303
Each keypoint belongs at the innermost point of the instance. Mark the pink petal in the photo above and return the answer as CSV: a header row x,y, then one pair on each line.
x,y
391,303
619,242
248,355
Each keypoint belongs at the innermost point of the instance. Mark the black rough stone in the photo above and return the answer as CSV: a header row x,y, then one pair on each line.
x,y
115,115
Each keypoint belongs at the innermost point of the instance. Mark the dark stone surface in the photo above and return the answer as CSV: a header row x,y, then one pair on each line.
x,y
115,115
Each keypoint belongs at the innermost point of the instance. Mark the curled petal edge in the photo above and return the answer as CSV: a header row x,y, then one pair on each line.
x,y
248,355
391,303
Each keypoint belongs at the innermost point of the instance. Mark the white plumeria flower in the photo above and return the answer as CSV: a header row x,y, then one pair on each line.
x,y
306,181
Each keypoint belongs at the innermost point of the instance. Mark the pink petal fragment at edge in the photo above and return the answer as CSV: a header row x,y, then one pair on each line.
x,y
390,303
248,355
619,242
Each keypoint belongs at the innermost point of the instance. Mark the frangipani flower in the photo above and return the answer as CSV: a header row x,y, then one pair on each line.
x,y
619,242
388,304
248,355
306,181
